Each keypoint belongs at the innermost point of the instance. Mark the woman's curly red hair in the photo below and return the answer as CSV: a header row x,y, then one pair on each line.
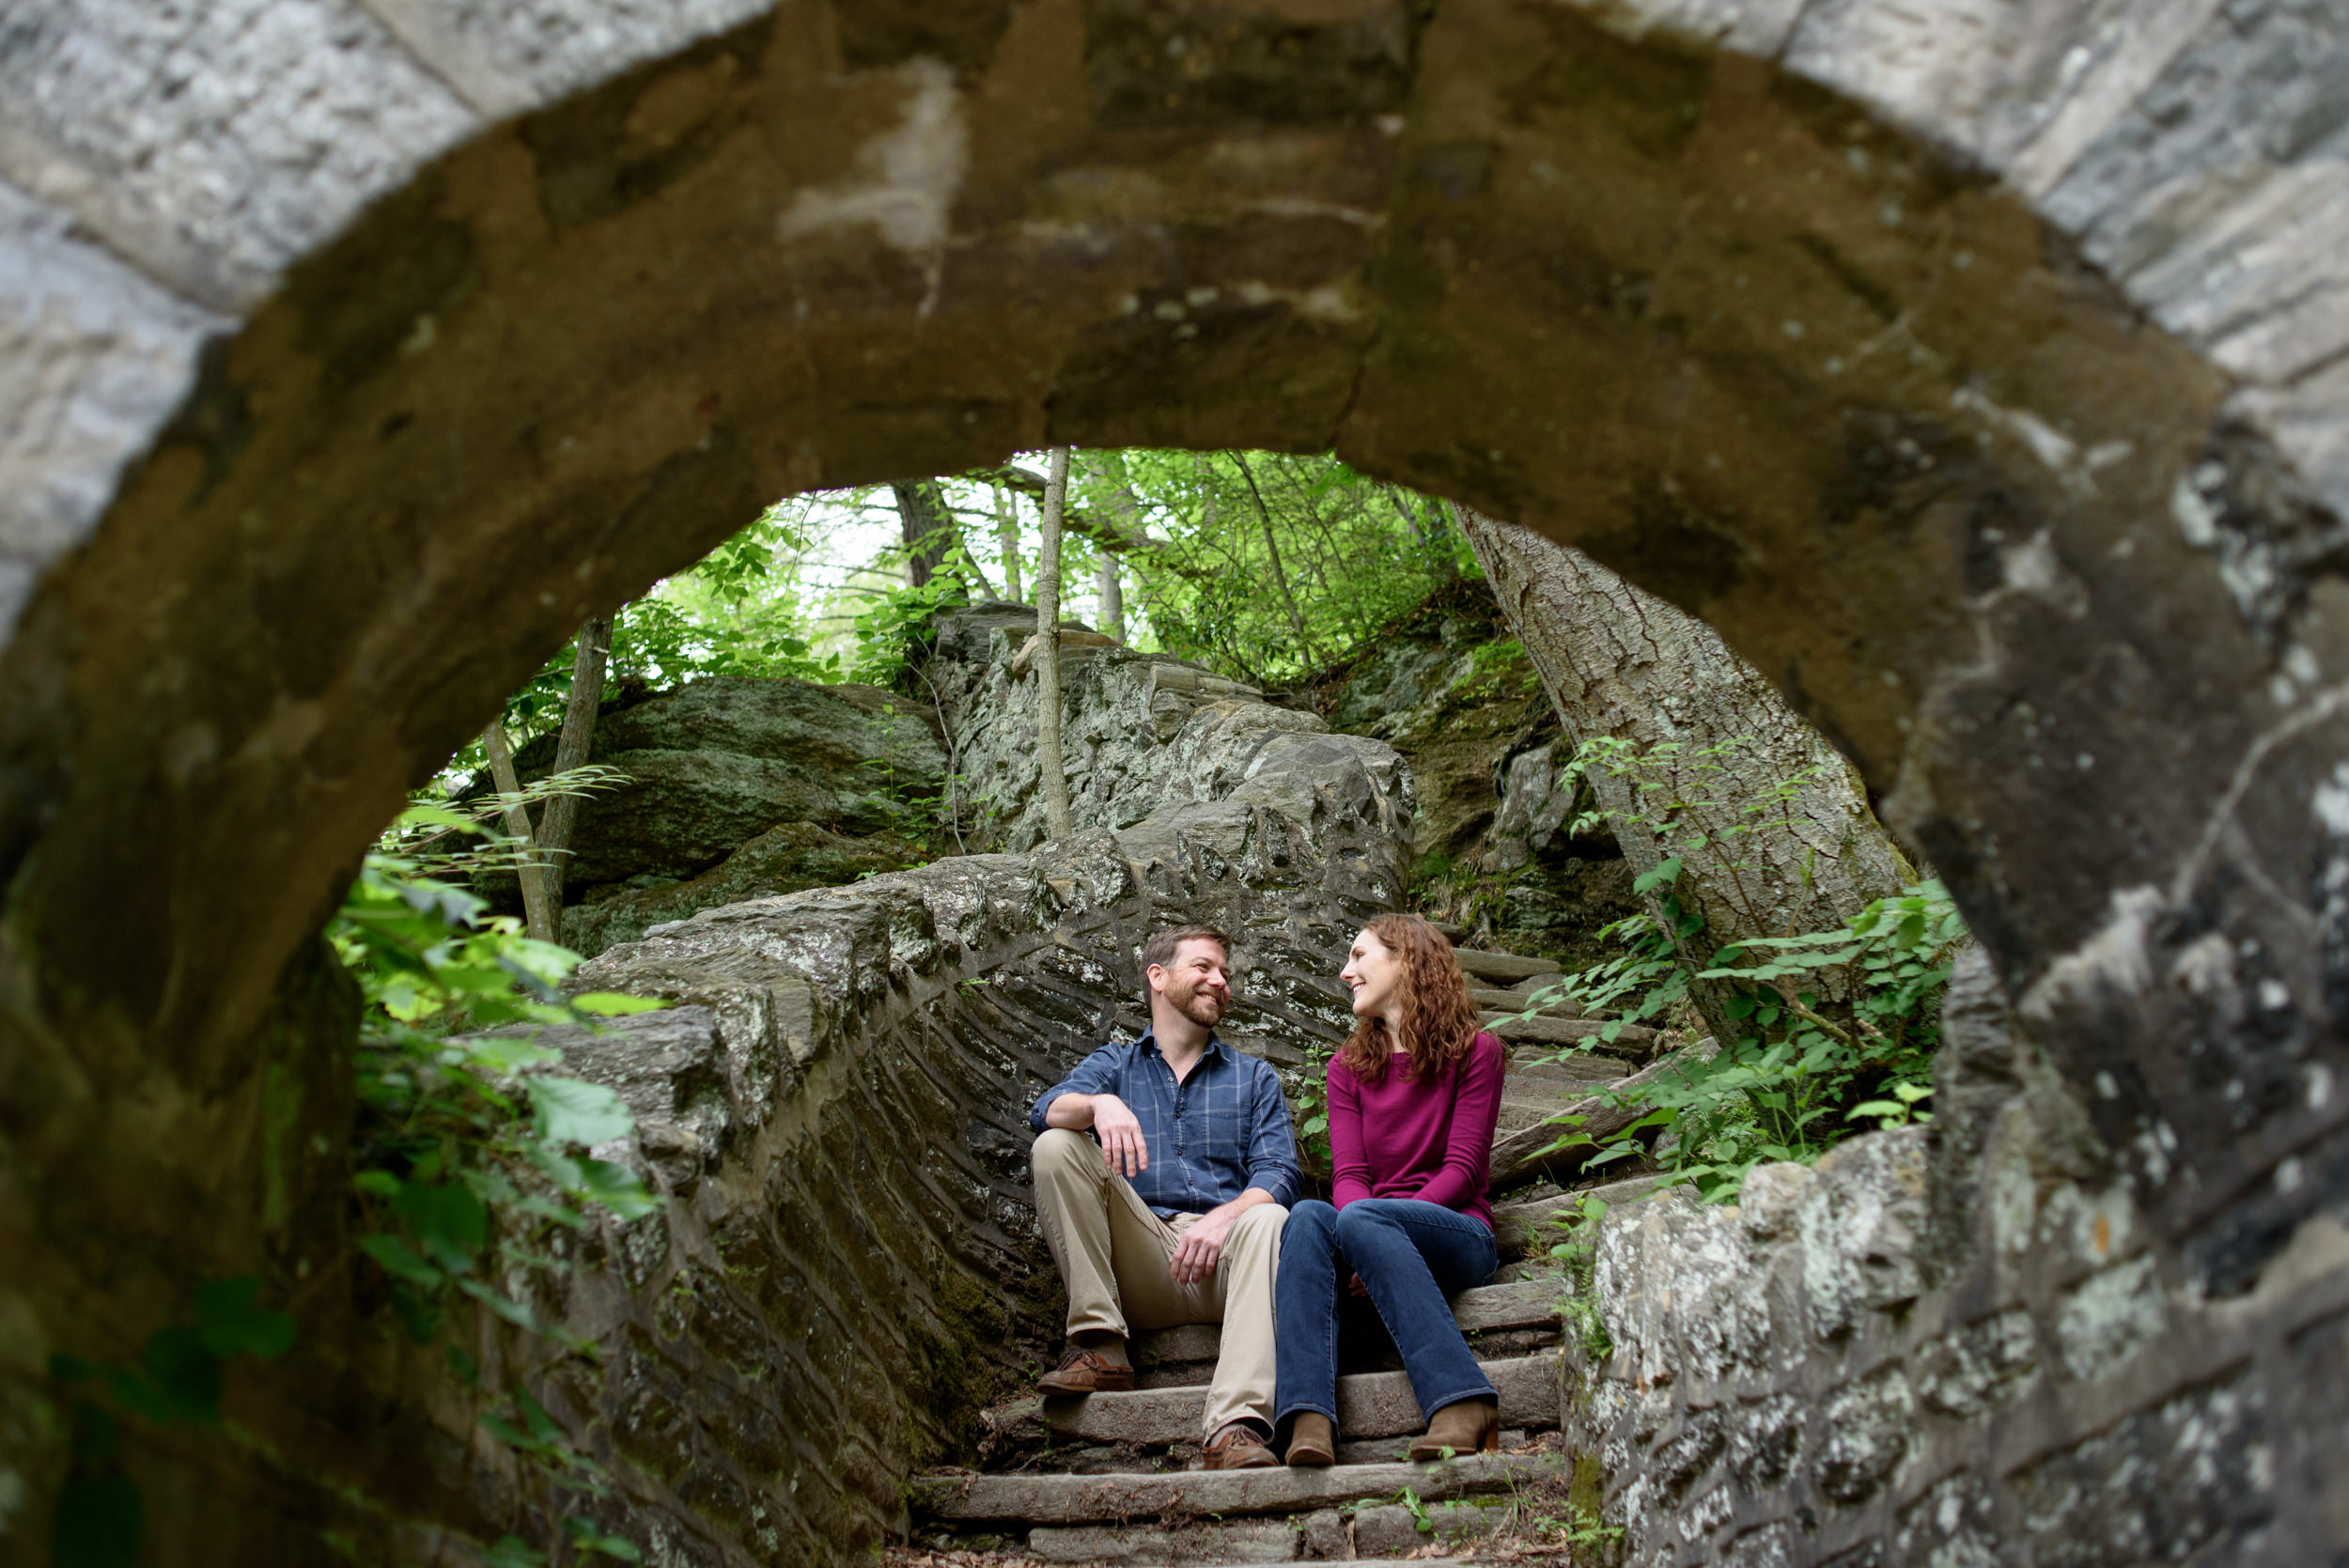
x,y
1438,1019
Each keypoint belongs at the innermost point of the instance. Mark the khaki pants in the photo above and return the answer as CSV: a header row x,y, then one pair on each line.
x,y
1112,1256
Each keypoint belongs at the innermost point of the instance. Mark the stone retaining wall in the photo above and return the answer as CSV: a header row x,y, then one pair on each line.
x,y
1956,1347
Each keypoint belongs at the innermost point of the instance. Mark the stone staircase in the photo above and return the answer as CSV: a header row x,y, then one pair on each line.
x,y
1115,1479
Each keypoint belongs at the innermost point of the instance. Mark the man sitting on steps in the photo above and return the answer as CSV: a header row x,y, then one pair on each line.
x,y
1174,1215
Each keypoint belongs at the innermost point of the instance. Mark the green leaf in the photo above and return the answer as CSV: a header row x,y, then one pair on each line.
x,y
448,1220
618,1189
377,1184
398,1258
1664,871
515,1312
614,1004
231,1324
512,1552
571,1111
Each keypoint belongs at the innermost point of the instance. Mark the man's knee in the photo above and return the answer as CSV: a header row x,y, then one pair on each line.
x,y
1059,1149
1264,1221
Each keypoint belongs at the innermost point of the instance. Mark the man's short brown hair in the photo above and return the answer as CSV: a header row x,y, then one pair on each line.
x,y
1161,948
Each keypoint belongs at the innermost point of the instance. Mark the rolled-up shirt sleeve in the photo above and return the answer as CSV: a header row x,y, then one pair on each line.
x,y
1272,1141
1096,1074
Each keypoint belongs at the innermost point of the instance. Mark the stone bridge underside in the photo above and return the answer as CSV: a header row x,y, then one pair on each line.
x,y
1977,370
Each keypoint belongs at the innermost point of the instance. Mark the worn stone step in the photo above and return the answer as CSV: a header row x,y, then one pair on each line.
x,y
1387,1529
1517,1227
1370,1405
1487,1309
1582,1067
1507,968
1630,1039
1075,1500
1492,1001
1528,1154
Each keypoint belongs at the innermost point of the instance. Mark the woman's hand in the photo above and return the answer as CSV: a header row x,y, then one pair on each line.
x,y
1354,1285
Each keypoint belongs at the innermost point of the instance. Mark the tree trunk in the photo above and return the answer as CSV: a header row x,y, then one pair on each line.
x,y
1007,539
926,528
538,918
1047,651
1618,661
570,751
1111,615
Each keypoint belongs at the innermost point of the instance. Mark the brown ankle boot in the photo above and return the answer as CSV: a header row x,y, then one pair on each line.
x,y
1464,1426
1312,1440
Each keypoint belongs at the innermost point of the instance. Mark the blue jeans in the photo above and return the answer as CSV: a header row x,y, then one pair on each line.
x,y
1410,1255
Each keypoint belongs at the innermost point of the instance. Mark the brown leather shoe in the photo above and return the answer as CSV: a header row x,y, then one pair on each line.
x,y
1312,1440
1464,1426
1086,1372
1238,1448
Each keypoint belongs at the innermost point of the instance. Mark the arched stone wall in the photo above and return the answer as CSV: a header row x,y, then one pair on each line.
x,y
1975,372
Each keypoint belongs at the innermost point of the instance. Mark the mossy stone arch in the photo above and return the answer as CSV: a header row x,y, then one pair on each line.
x,y
1936,372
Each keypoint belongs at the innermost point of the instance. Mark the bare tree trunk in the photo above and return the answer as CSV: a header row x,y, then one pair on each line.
x,y
570,751
926,528
1618,661
1047,651
537,920
1007,539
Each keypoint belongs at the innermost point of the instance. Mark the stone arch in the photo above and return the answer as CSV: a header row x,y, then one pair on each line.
x,y
1979,379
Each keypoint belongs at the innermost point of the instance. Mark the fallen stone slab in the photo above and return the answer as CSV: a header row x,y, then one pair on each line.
x,y
1533,1064
1370,1405
1506,968
1076,1499
1393,1531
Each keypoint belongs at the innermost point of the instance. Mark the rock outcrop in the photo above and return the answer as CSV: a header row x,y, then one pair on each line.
x,y
739,788
1451,689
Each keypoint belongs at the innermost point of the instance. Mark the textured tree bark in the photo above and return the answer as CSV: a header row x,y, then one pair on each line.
x,y
1618,661
925,526
1048,650
538,918
1112,597
570,751
1007,539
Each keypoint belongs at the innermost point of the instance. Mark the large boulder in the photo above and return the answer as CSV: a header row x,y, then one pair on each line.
x,y
826,782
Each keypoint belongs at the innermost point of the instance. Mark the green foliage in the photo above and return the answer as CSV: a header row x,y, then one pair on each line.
x,y
1269,566
472,1157
178,1381
1577,1253
1790,1084
1309,1109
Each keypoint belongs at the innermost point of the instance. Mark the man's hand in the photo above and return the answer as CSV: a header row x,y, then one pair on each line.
x,y
1123,1146
1201,1246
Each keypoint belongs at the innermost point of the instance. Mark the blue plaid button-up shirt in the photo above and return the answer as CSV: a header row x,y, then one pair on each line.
x,y
1221,1131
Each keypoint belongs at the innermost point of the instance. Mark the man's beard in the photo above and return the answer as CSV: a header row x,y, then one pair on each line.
x,y
1199,1004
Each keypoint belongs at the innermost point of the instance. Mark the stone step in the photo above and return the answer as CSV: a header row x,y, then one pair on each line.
x,y
1328,1534
1515,1002
1528,1063
1507,968
1370,1405
1048,1500
1487,1309
1629,1039
1518,1227
1531,1153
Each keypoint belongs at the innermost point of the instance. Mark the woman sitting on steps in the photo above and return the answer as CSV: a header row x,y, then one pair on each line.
x,y
1414,1095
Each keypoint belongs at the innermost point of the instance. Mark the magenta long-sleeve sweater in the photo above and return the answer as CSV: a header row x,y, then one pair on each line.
x,y
1407,1138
